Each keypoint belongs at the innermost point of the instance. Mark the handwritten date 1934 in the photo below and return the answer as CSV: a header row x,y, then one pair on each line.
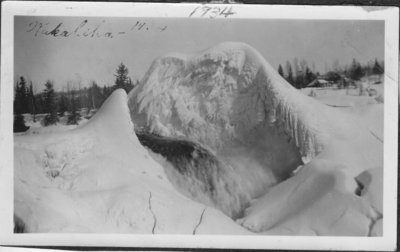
x,y
212,11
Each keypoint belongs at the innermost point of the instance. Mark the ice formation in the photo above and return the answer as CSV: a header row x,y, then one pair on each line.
x,y
232,102
97,178
219,95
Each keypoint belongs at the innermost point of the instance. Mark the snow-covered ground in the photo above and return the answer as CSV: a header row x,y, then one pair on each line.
x,y
268,159
35,124
347,97
98,178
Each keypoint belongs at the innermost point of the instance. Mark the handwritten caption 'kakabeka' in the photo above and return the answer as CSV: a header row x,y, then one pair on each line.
x,y
88,30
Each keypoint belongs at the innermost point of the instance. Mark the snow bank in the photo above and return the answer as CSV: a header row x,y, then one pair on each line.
x,y
347,97
230,99
315,201
98,178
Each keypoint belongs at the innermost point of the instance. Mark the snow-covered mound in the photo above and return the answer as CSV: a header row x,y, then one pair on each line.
x,y
230,100
98,178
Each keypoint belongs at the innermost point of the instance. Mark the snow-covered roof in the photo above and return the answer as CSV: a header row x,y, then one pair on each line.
x,y
320,81
323,81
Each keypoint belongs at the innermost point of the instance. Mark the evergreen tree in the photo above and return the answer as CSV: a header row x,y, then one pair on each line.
x,y
280,70
19,123
90,100
299,80
105,93
20,106
21,97
96,95
129,85
32,102
355,72
377,69
17,100
24,95
296,73
121,76
62,104
122,80
39,103
289,72
84,99
309,77
50,104
74,116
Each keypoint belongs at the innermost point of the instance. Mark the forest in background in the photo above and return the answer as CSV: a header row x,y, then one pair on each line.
x,y
73,102
300,74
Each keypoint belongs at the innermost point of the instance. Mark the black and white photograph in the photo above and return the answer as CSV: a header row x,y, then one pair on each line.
x,y
201,120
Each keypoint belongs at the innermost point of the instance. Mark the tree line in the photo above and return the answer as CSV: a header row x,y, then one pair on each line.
x,y
299,74
67,103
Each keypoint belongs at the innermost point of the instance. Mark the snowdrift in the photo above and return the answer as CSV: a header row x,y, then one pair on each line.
x,y
292,165
98,178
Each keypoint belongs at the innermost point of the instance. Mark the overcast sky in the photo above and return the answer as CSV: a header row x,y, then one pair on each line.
x,y
77,57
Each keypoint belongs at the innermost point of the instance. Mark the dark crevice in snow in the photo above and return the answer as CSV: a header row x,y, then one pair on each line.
x,y
200,220
178,152
53,173
360,187
197,172
374,219
213,180
19,225
375,215
154,216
